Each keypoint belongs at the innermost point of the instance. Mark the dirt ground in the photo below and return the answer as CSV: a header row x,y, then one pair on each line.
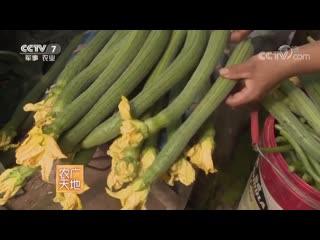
x,y
38,195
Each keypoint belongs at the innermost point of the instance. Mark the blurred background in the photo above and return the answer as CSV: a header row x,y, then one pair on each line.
x,y
17,76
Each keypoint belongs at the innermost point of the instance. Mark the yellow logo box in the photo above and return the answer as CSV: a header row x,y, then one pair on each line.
x,y
69,178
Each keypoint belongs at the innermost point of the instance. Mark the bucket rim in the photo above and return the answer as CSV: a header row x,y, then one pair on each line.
x,y
269,140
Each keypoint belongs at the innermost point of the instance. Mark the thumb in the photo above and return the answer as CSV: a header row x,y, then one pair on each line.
x,y
240,71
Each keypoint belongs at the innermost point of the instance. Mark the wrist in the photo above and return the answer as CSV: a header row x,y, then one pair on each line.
x,y
304,59
290,67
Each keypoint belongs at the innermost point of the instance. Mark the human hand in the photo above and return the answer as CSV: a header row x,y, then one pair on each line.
x,y
238,35
259,76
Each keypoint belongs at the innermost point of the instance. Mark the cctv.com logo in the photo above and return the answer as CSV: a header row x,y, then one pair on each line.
x,y
284,52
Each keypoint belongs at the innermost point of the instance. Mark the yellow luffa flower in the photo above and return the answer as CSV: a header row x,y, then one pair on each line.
x,y
201,155
148,157
181,171
123,171
39,149
125,149
116,180
116,150
41,110
6,136
133,131
124,109
70,201
11,180
133,197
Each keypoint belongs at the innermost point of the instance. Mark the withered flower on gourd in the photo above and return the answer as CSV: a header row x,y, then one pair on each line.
x,y
123,170
6,137
11,181
39,149
133,197
125,150
148,157
181,171
201,155
70,200
133,130
42,110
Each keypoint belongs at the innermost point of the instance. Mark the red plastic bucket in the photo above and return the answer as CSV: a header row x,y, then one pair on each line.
x,y
271,185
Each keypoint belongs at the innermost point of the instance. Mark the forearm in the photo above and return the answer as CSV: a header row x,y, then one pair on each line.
x,y
304,59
